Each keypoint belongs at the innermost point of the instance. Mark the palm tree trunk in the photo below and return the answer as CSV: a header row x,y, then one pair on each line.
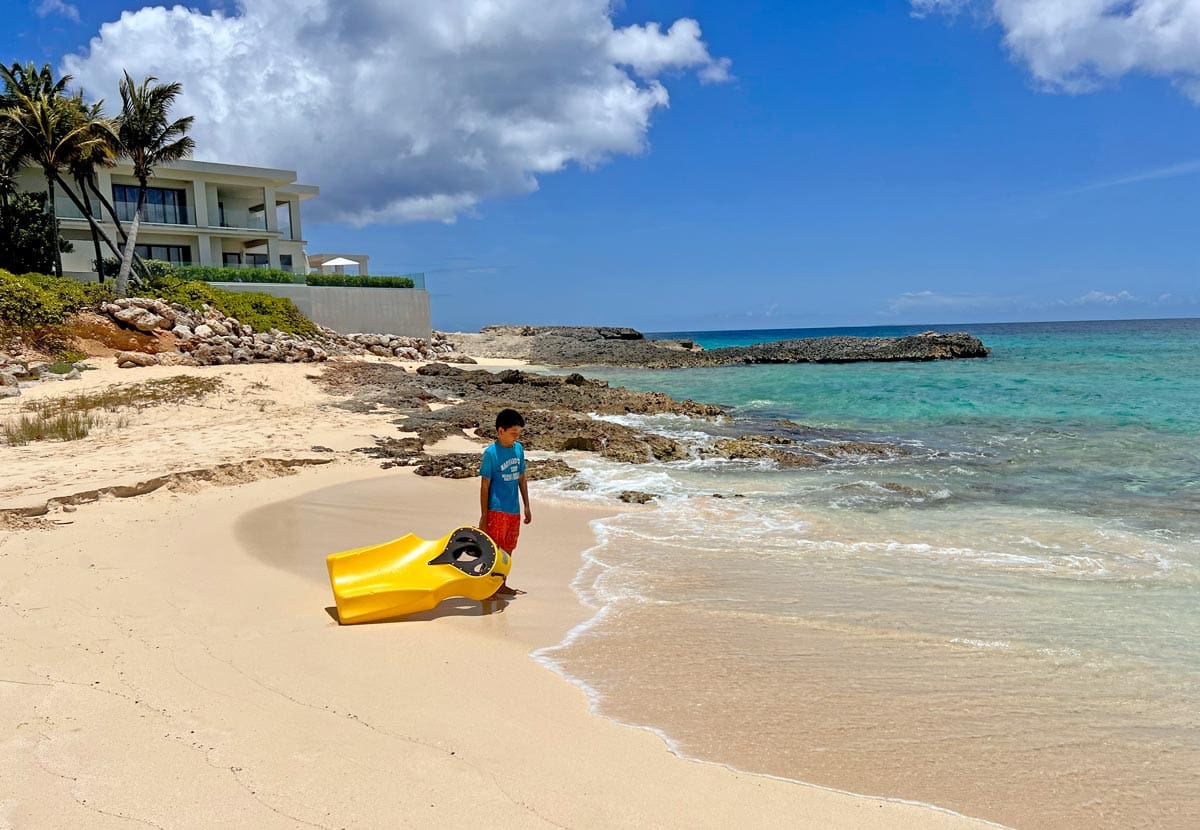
x,y
89,214
127,258
53,225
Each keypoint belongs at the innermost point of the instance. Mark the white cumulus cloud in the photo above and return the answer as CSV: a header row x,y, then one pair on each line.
x,y
1079,45
405,111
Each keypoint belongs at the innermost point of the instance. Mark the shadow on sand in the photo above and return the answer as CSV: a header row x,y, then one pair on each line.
x,y
453,607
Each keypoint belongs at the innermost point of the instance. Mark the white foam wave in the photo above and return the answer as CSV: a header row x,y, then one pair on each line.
x,y
986,644
604,607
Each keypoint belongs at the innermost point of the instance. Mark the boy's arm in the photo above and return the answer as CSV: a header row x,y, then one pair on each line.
x,y
484,485
525,498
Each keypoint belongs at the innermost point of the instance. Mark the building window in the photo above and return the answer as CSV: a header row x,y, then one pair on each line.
x,y
285,262
174,254
258,260
283,219
164,206
231,260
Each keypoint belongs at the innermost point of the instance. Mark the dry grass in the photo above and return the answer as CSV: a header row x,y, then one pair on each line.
x,y
65,426
72,417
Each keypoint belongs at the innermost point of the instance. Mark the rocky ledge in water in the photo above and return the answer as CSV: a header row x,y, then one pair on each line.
x,y
441,401
607,346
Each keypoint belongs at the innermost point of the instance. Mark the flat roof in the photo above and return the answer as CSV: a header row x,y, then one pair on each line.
x,y
283,180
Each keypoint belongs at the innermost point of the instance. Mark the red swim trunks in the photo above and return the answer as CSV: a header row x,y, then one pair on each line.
x,y
504,528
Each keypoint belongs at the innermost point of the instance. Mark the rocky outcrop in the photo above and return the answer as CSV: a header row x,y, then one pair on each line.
x,y
562,405
206,337
559,418
409,452
584,346
19,372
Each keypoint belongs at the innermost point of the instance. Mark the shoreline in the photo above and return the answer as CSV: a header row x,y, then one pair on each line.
x,y
543,657
244,662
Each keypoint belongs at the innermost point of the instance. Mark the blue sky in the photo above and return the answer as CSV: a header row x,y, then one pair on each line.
x,y
859,166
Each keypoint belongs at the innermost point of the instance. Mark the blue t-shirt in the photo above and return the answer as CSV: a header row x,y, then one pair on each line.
x,y
503,466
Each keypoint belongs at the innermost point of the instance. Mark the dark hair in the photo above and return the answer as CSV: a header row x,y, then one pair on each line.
x,y
509,418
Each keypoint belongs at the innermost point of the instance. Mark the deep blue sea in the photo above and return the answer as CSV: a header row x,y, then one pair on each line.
x,y
1002,617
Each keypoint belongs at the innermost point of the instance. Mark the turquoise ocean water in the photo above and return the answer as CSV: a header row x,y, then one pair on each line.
x,y
1003,618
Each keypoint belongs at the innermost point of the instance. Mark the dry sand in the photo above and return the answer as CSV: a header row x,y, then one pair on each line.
x,y
169,660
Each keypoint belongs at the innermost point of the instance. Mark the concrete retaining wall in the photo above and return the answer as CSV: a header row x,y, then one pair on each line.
x,y
401,311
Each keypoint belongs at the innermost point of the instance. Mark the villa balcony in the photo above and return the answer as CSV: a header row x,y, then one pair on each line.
x,y
64,208
156,214
242,219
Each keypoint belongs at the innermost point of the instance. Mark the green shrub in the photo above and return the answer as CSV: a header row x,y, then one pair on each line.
x,y
210,273
262,311
360,282
25,304
70,357
24,229
71,293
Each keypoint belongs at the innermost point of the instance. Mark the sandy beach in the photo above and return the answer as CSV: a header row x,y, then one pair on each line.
x,y
171,659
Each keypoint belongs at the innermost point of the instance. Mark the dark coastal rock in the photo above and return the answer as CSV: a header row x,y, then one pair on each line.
x,y
581,332
540,470
749,449
439,370
584,346
849,449
557,419
451,465
396,452
466,465
635,497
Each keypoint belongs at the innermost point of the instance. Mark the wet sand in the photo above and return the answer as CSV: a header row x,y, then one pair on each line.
x,y
169,660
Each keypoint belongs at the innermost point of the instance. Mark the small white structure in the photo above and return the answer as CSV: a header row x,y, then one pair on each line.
x,y
336,263
196,213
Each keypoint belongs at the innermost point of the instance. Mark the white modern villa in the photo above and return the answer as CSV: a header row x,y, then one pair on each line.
x,y
232,216
196,213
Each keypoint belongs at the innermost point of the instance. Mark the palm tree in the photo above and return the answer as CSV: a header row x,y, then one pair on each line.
x,y
148,140
11,159
48,129
83,170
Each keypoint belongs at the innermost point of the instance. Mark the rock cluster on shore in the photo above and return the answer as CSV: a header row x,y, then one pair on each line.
x,y
18,372
605,346
559,418
206,337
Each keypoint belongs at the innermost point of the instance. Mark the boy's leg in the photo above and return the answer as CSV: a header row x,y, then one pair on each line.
x,y
504,529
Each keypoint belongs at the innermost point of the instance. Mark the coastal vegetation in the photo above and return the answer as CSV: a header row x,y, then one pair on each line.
x,y
262,311
71,418
42,124
43,310
27,234
359,282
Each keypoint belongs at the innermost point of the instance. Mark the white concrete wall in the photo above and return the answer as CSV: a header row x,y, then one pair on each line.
x,y
401,311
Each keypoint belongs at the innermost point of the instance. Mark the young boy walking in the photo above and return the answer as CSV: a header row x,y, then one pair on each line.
x,y
501,481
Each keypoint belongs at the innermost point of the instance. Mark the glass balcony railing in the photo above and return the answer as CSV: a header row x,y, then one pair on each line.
x,y
64,208
158,214
233,218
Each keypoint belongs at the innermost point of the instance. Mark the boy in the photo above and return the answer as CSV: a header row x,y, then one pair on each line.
x,y
502,479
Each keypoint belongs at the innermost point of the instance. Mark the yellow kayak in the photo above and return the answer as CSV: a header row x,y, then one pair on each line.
x,y
412,574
